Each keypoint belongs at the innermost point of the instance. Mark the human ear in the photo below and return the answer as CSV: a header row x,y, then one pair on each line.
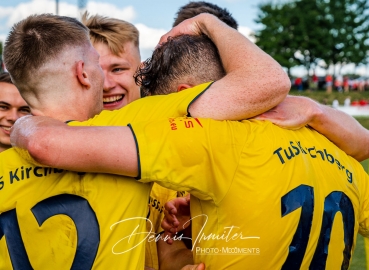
x,y
183,86
82,75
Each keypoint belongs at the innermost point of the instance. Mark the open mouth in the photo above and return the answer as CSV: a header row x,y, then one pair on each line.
x,y
112,99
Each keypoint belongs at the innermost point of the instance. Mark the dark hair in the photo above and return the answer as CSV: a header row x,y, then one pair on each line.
x,y
182,59
37,39
5,77
193,9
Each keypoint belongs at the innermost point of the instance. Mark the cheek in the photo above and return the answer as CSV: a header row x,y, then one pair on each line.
x,y
2,115
135,94
4,138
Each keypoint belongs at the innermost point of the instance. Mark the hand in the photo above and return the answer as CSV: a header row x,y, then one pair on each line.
x,y
192,26
177,216
292,113
200,266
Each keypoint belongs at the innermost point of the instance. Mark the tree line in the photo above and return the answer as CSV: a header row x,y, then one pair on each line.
x,y
315,32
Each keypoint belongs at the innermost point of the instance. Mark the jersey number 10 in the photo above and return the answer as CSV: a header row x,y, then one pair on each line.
x,y
337,201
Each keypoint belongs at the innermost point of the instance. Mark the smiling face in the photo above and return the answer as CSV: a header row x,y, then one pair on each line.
x,y
119,85
12,106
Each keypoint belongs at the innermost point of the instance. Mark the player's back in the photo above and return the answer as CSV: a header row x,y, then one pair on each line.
x,y
54,219
262,197
296,201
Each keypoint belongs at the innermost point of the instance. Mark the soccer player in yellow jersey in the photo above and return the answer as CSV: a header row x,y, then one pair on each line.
x,y
297,200
117,43
33,206
262,197
50,218
339,127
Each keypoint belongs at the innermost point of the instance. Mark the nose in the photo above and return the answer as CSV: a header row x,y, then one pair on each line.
x,y
12,115
108,83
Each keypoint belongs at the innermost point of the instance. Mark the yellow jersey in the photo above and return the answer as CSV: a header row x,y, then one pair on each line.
x,y
158,197
148,108
152,107
55,219
262,197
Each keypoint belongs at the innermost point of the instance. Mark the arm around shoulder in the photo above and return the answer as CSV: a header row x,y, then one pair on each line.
x,y
343,130
87,149
254,81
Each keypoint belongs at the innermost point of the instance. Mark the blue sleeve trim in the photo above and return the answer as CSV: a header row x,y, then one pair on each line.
x,y
138,153
188,107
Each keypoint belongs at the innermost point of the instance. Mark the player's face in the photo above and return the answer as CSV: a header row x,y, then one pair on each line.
x,y
97,81
12,106
119,85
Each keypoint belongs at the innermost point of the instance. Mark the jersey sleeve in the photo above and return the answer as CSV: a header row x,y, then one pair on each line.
x,y
199,156
26,156
148,108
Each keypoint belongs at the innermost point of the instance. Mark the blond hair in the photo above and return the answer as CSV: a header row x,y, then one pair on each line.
x,y
112,32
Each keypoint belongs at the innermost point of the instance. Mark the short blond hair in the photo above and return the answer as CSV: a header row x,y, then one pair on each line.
x,y
112,32
37,39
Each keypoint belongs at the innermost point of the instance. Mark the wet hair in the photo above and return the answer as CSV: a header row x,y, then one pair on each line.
x,y
37,39
5,78
182,59
193,9
112,32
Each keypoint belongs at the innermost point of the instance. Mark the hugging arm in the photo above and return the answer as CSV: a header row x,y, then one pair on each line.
x,y
254,81
52,143
339,127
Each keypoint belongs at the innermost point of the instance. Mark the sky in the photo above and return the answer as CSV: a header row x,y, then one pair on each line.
x,y
153,18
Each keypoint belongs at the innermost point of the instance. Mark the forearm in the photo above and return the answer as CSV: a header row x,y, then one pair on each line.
x,y
254,81
94,148
343,130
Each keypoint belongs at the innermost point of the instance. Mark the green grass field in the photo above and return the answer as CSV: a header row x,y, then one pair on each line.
x,y
358,260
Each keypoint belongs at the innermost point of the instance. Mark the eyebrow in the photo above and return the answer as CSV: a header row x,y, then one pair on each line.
x,y
125,64
4,103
